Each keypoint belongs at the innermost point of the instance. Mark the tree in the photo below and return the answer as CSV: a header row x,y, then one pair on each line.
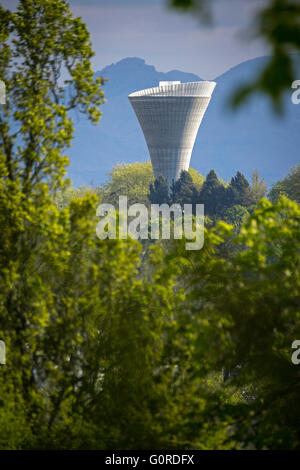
x,y
245,310
183,190
239,191
38,42
289,186
197,178
93,359
277,23
236,216
258,187
159,192
100,355
212,195
100,365
131,180
64,196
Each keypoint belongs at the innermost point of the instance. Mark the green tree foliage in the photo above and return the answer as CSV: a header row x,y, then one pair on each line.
x,y
258,187
131,180
239,192
39,42
246,313
159,191
197,178
63,196
278,25
135,180
100,355
289,186
94,359
183,190
236,216
212,195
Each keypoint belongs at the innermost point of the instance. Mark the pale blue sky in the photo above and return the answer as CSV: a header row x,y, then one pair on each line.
x,y
167,39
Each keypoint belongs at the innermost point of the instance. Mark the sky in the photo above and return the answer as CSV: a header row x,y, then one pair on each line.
x,y
168,39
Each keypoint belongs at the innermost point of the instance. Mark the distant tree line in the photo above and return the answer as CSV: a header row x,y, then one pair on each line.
x,y
230,201
216,196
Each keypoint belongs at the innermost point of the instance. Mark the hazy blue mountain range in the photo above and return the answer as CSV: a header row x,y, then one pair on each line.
x,y
252,137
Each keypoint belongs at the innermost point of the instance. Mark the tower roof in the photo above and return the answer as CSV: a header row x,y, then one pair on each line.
x,y
200,89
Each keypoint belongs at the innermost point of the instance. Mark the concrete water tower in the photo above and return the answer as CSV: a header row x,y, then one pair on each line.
x,y
170,116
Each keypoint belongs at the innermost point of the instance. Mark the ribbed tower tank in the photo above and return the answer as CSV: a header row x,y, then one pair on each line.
x,y
170,115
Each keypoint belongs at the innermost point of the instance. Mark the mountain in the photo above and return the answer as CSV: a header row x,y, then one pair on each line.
x,y
249,138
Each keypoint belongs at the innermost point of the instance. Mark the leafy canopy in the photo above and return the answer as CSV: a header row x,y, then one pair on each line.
x,y
278,25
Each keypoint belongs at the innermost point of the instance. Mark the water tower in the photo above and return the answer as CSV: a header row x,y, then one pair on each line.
x,y
170,115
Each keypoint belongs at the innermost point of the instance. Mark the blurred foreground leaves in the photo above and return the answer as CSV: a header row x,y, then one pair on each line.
x,y
277,23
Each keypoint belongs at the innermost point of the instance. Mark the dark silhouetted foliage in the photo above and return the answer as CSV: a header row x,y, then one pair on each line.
x,y
159,191
238,192
183,191
212,195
